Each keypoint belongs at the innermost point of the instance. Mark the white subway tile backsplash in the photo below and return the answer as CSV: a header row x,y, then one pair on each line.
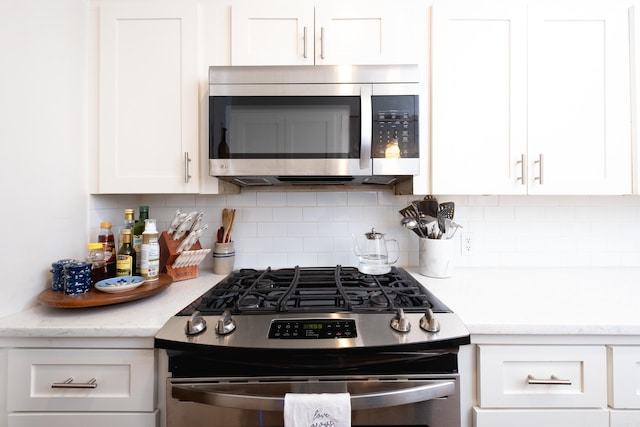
x,y
332,199
283,229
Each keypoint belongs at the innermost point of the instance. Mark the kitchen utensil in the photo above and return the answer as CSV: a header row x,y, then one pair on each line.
x,y
374,257
412,224
410,212
229,219
175,222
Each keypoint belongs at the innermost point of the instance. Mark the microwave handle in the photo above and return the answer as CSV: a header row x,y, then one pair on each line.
x,y
203,393
366,114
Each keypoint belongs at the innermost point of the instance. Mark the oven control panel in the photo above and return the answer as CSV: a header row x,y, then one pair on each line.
x,y
312,329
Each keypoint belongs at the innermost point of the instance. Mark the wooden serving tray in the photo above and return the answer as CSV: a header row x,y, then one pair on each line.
x,y
96,298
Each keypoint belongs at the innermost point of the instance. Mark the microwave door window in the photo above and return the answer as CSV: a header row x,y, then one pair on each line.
x,y
257,133
285,127
318,132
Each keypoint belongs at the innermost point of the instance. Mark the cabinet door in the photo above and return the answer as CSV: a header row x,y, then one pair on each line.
x,y
479,97
272,33
624,381
370,32
148,90
579,98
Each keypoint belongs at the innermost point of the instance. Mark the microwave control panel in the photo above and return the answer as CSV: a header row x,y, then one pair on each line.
x,y
395,126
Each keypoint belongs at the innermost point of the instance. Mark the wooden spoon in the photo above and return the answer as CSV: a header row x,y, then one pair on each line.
x,y
231,223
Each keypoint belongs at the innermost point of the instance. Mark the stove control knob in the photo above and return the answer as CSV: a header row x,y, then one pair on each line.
x,y
226,324
195,324
429,322
400,322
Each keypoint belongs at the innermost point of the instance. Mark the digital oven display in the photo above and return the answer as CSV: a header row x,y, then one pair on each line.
x,y
313,329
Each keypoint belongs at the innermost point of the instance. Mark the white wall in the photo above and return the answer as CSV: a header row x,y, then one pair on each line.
x,y
42,143
314,228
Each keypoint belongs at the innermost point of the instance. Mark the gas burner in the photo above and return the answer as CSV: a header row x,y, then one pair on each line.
x,y
378,299
249,302
368,281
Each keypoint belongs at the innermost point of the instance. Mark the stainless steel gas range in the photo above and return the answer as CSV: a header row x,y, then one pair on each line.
x,y
238,349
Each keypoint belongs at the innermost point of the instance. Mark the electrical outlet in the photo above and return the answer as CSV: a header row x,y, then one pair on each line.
x,y
466,243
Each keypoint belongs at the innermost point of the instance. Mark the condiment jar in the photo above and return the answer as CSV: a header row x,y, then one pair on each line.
x,y
97,257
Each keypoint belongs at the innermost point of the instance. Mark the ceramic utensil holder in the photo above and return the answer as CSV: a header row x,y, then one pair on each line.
x,y
224,255
169,254
435,257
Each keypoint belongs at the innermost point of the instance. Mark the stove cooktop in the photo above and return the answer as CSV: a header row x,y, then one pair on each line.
x,y
315,290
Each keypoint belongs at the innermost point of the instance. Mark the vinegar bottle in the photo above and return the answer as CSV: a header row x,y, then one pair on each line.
x,y
126,259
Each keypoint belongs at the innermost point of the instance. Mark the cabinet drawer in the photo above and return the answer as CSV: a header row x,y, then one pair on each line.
x,y
542,376
124,380
540,417
624,369
93,419
618,418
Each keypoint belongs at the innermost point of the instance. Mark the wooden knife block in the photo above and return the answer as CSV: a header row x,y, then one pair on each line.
x,y
168,256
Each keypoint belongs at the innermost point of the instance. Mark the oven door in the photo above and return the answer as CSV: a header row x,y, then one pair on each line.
x,y
250,402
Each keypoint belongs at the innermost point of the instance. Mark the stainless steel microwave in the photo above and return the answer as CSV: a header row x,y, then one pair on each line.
x,y
275,125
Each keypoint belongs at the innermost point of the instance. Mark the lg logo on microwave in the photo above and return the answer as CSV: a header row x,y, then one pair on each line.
x,y
223,168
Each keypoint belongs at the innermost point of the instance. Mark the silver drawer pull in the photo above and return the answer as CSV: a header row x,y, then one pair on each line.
x,y
92,383
551,381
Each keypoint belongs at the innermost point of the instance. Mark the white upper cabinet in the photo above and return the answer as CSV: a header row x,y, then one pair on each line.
x,y
148,97
291,32
579,98
531,98
479,96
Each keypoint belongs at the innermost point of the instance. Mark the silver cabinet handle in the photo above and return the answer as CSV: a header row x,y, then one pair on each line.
x,y
553,380
523,169
92,383
187,160
210,395
304,41
540,176
322,42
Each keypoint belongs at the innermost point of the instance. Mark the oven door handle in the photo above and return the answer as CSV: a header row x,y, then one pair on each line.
x,y
206,394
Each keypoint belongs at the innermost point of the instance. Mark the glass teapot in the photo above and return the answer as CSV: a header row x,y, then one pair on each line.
x,y
373,256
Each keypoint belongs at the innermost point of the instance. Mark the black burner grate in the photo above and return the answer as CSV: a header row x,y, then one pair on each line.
x,y
317,290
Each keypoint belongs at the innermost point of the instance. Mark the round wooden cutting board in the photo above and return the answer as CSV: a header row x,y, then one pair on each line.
x,y
95,298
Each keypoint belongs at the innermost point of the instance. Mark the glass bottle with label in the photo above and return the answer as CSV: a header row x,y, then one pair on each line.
x,y
126,259
150,252
108,240
129,222
138,229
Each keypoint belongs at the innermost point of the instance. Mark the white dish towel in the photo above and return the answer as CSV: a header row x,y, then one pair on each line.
x,y
317,410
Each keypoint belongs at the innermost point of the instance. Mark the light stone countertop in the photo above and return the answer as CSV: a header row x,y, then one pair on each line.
x,y
543,301
490,301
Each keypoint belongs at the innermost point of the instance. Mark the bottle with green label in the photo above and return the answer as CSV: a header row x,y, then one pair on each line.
x,y
126,258
138,229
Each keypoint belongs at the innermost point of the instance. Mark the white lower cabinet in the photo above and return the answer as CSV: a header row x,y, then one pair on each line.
x,y
624,385
81,387
541,417
531,385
